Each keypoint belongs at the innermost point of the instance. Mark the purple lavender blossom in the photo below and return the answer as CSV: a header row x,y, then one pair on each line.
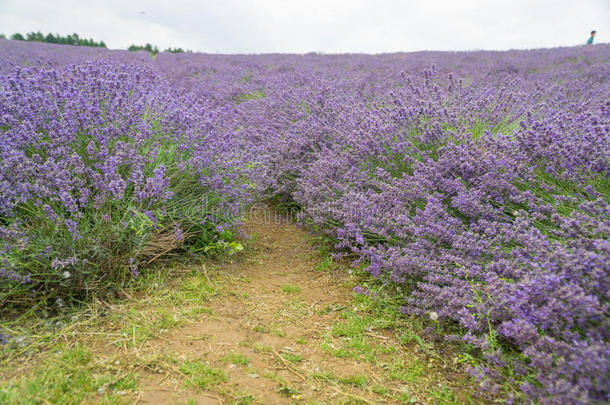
x,y
477,182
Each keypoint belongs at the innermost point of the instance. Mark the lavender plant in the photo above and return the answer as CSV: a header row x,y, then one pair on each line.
x,y
106,167
476,183
486,204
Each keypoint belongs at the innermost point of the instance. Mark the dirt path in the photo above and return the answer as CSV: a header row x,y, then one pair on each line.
x,y
264,328
284,331
279,324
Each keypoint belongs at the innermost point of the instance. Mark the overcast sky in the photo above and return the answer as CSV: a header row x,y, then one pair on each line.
x,y
330,26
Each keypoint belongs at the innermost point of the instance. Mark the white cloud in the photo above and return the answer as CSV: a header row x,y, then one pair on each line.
x,y
240,26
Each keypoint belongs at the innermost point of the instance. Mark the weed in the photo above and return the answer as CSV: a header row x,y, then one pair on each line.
x,y
261,348
291,289
406,372
288,391
278,333
200,375
379,389
69,376
236,358
324,375
295,358
358,380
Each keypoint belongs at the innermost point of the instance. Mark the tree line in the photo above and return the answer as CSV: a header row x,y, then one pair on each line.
x,y
153,50
71,39
74,39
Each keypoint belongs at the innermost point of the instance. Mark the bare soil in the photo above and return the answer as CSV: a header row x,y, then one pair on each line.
x,y
276,307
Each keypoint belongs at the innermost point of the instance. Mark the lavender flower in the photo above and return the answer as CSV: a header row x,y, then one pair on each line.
x,y
476,182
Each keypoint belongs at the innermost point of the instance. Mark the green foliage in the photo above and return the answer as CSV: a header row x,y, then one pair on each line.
x,y
200,375
291,289
237,358
288,391
294,358
250,96
358,380
71,39
119,238
152,49
175,50
69,376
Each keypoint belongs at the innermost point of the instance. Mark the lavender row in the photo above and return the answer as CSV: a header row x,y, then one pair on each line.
x,y
104,167
485,202
475,182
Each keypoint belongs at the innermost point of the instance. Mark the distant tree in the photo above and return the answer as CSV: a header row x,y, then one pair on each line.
x,y
175,50
35,36
153,50
72,39
2,36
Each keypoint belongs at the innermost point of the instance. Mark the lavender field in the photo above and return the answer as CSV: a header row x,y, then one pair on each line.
x,y
475,184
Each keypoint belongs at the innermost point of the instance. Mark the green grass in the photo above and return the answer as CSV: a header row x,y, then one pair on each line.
x,y
324,375
142,329
294,358
355,324
165,309
357,380
260,329
70,373
261,348
326,265
201,375
250,96
443,396
354,341
379,389
278,332
288,391
237,359
69,376
409,358
406,371
291,289
243,399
